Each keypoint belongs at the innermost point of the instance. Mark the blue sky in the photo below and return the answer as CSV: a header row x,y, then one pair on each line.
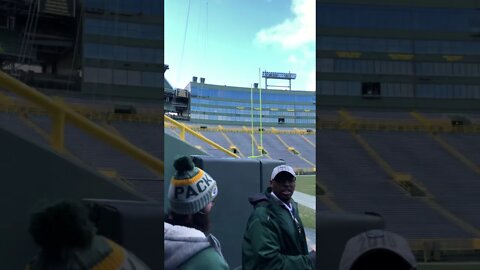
x,y
227,41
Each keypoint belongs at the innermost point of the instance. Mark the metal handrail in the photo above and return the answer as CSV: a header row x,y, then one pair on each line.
x,y
61,113
184,128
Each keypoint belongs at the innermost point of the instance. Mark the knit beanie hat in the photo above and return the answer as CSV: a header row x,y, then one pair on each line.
x,y
191,188
68,240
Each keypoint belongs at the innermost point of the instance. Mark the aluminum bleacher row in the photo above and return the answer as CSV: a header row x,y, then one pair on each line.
x,y
301,154
364,186
454,185
92,152
360,150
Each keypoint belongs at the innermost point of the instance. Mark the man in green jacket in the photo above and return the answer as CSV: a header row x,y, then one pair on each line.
x,y
187,241
275,237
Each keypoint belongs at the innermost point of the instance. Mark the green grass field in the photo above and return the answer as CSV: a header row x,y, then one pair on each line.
x,y
306,184
308,216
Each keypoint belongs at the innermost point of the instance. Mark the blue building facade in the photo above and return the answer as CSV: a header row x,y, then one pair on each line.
x,y
215,104
427,50
123,48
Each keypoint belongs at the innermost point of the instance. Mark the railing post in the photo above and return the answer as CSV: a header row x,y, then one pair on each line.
x,y
58,130
182,133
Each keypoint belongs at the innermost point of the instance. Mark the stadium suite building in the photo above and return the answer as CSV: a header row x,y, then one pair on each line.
x,y
228,105
123,47
398,54
101,48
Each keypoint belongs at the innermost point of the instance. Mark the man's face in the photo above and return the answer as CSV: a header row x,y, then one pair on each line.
x,y
283,186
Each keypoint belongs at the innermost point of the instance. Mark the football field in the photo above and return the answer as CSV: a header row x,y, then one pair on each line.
x,y
306,184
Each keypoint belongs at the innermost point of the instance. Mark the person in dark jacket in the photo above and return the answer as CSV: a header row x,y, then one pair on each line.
x,y
188,243
68,240
275,237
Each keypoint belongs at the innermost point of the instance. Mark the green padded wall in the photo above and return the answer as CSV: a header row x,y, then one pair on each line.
x,y
266,171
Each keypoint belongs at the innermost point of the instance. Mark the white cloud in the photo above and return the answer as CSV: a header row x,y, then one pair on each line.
x,y
295,36
293,32
292,59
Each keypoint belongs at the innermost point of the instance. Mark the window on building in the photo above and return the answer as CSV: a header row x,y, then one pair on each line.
x,y
371,89
133,78
119,77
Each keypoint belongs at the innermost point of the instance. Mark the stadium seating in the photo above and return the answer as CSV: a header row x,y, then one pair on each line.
x,y
467,144
364,186
276,146
96,153
204,146
452,183
14,124
147,136
36,126
378,161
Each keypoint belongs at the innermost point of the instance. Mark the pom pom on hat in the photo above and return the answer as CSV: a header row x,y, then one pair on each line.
x,y
183,164
64,225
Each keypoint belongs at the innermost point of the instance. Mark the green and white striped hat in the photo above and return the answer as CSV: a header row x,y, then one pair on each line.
x,y
191,189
